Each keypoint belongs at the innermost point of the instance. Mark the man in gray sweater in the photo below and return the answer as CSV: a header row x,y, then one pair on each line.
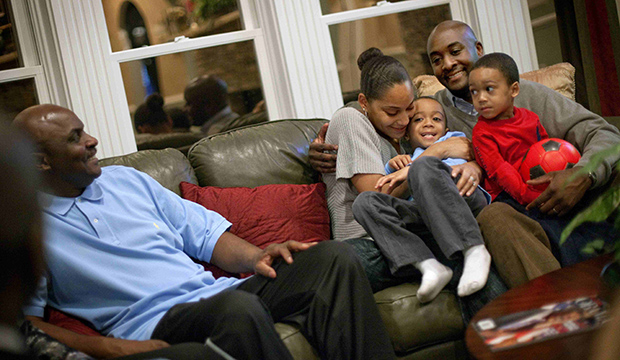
x,y
520,248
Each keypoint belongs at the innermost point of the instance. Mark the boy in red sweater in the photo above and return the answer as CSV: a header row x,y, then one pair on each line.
x,y
503,133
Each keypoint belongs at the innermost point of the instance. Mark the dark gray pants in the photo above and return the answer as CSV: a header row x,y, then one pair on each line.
x,y
325,291
395,224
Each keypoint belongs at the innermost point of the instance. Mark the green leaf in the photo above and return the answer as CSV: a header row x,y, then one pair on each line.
x,y
596,160
593,247
597,212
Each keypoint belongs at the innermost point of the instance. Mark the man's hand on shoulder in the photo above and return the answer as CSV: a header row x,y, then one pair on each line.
x,y
322,156
264,259
560,196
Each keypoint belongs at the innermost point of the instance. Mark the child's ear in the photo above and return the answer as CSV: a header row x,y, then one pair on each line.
x,y
514,89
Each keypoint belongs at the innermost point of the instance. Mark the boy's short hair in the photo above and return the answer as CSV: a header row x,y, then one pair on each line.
x,y
435,100
501,62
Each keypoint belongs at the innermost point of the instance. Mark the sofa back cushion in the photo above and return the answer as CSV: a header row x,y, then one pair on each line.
x,y
274,152
181,141
559,77
169,166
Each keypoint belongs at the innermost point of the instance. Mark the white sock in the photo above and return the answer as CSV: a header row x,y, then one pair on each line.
x,y
435,276
475,270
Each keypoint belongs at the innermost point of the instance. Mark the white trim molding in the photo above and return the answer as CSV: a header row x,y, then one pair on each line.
x,y
505,27
94,83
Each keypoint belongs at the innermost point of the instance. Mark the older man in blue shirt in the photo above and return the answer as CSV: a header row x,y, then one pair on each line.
x,y
119,248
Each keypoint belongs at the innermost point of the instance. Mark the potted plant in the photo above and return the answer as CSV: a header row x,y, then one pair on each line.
x,y
602,209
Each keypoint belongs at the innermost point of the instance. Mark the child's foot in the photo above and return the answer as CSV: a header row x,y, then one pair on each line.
x,y
475,271
435,276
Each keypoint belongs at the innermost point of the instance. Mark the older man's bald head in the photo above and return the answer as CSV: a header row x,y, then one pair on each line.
x,y
465,30
36,120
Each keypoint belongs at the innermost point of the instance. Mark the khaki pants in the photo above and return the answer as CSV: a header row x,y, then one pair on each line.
x,y
518,245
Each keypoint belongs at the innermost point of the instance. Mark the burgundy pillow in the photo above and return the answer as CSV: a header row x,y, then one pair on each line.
x,y
60,319
266,214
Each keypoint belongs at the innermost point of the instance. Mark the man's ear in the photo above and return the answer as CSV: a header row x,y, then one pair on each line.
x,y
41,161
479,49
514,89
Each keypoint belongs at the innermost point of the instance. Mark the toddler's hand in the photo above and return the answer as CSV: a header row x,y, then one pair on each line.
x,y
400,161
392,180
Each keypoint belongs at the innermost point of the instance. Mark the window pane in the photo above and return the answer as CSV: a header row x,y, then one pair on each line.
x,y
16,96
334,6
546,34
401,35
138,23
10,57
168,75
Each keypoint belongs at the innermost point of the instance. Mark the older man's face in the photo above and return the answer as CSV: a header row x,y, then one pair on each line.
x,y
69,152
452,53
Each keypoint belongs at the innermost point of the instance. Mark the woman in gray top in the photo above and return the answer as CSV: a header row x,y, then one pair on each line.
x,y
366,140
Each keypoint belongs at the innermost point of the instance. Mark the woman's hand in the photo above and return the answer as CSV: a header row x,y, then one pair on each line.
x,y
454,147
399,161
392,181
471,175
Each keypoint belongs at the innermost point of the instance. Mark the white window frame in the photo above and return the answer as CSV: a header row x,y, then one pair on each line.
x,y
293,48
26,29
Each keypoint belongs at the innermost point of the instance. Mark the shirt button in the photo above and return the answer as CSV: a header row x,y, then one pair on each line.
x,y
96,220
79,200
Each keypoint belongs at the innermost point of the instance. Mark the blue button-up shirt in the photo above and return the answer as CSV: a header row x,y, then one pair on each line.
x,y
118,255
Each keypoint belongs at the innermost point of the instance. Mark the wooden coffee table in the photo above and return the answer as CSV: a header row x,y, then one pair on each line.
x,y
579,280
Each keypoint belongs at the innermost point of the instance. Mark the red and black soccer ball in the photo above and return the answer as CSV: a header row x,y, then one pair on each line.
x,y
546,156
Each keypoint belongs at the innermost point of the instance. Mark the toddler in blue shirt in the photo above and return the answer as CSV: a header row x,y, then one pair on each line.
x,y
436,205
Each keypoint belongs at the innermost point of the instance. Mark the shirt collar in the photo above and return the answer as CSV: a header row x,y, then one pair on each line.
x,y
61,205
463,105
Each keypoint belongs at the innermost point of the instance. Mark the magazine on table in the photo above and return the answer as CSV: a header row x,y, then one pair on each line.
x,y
549,321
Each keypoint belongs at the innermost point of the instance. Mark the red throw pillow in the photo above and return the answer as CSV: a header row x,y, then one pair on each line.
x,y
65,321
270,213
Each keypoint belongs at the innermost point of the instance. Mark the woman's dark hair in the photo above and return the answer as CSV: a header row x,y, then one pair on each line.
x,y
379,73
151,112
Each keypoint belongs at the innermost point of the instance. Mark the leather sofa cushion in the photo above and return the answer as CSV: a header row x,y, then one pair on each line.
x,y
413,325
269,153
181,141
169,166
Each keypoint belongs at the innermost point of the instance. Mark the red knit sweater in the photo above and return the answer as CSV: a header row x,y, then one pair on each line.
x,y
500,145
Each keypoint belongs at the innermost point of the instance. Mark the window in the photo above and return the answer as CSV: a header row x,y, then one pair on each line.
x,y
22,81
161,46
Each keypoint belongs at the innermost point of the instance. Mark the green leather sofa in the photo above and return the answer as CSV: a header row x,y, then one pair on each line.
x,y
277,153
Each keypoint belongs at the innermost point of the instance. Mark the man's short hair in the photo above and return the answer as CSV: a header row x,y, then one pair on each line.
x,y
501,62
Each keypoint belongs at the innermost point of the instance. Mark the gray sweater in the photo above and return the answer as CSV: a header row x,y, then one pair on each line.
x,y
560,116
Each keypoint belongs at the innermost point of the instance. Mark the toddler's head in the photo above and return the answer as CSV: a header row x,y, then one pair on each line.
x,y
428,123
494,83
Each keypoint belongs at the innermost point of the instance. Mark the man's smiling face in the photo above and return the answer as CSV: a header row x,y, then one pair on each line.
x,y
452,51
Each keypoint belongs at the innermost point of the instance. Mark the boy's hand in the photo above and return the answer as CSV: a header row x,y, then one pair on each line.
x,y
320,160
399,161
392,180
471,175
